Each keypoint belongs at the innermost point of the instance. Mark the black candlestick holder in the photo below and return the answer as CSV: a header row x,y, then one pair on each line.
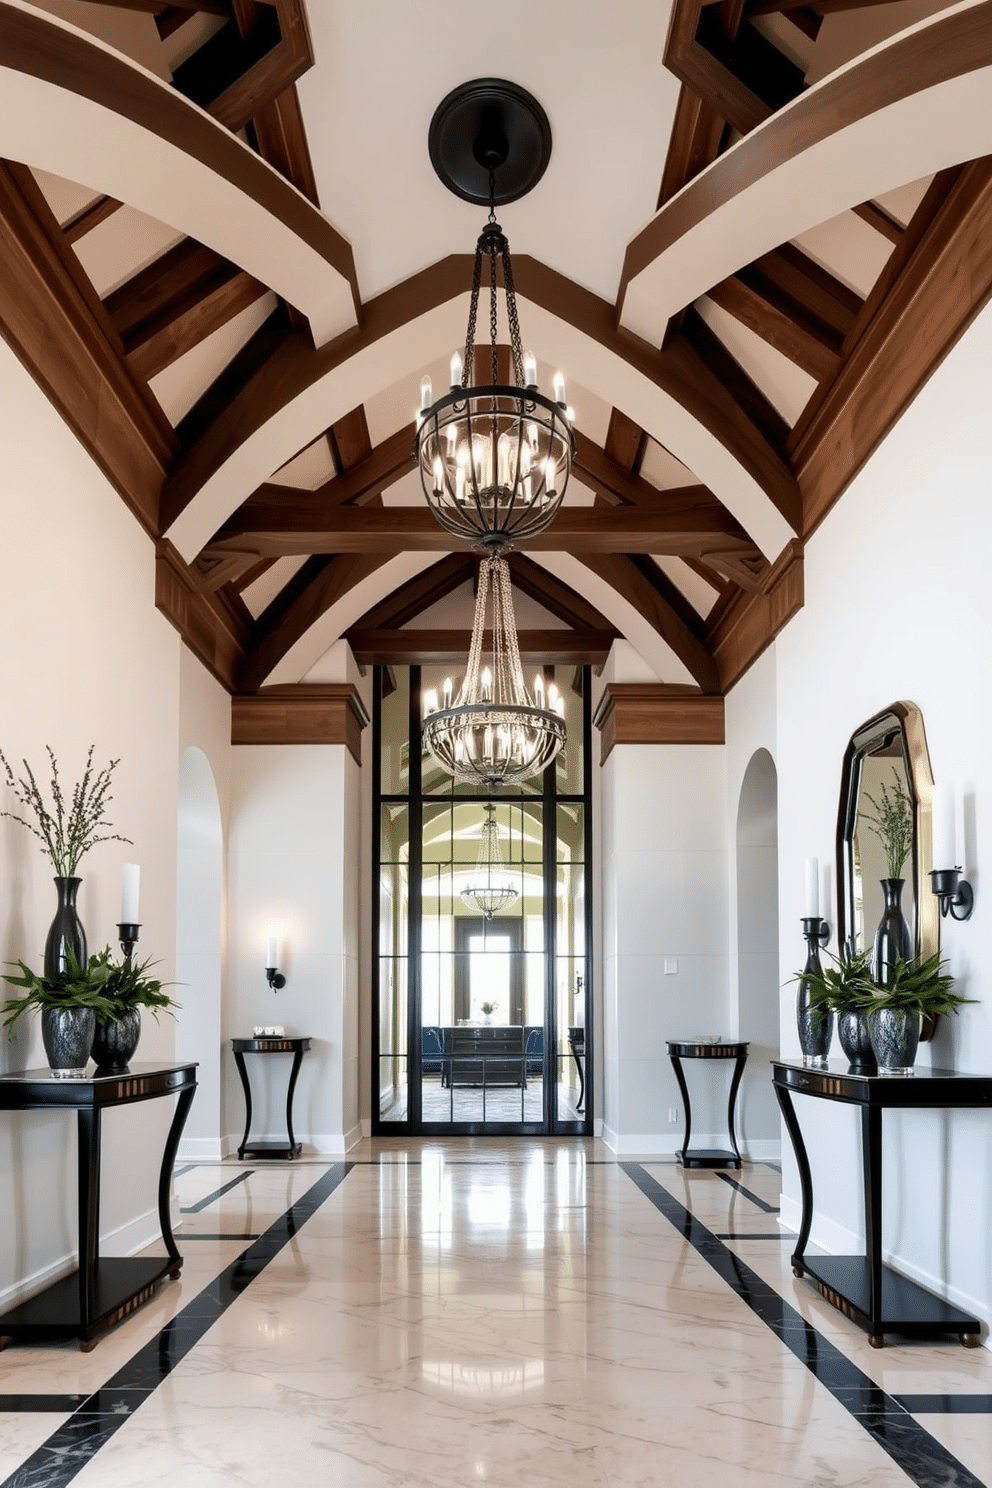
x,y
955,894
127,934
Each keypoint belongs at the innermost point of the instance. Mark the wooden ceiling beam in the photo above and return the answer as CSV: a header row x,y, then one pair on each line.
x,y
319,585
619,486
54,322
212,630
557,597
268,58
882,221
646,595
282,140
176,302
153,7
289,526
748,623
419,593
696,344
89,217
417,647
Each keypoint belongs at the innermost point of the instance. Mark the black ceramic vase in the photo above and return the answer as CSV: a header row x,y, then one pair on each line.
x,y
893,937
115,1041
67,1034
855,1040
66,932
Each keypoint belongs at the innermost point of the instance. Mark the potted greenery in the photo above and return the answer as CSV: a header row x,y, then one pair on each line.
x,y
67,830
128,988
915,989
839,989
892,823
70,1002
488,1008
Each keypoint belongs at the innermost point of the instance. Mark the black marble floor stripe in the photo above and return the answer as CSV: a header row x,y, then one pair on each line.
x,y
213,1197
738,1235
946,1405
184,1236
55,1405
76,1442
181,1172
923,1459
762,1204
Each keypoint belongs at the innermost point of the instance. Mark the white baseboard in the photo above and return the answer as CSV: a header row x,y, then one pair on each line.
x,y
127,1240
203,1149
762,1150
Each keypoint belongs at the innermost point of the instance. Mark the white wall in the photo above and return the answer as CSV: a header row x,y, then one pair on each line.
x,y
87,660
664,878
898,605
293,868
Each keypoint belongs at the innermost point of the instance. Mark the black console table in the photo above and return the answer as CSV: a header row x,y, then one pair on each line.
x,y
872,1295
100,1292
270,1044
484,1054
679,1049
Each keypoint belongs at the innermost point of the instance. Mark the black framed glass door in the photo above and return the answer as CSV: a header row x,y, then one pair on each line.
x,y
481,1021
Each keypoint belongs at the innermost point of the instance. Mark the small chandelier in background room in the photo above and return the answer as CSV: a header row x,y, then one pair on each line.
x,y
490,890
495,458
494,733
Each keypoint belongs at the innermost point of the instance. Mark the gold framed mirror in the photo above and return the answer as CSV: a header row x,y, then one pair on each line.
x,y
886,764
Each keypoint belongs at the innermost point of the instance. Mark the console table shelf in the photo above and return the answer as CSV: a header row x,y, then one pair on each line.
x,y
870,1293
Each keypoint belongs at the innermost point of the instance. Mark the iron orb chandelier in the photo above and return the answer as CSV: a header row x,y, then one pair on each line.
x,y
494,457
490,890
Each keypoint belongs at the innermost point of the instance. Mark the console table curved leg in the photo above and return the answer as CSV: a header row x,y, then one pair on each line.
x,y
297,1061
165,1176
805,1177
735,1081
239,1060
680,1077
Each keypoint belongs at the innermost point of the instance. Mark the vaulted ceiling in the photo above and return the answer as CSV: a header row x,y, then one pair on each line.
x,y
226,258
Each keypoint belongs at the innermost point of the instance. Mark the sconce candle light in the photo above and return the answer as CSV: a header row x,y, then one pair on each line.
x,y
127,929
954,893
273,975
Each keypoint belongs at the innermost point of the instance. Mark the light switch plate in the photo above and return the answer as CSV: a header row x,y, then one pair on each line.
x,y
671,966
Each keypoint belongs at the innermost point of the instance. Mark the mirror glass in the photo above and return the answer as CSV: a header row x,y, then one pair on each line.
x,y
885,800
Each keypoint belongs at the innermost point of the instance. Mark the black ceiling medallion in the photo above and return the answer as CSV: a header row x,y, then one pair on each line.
x,y
489,125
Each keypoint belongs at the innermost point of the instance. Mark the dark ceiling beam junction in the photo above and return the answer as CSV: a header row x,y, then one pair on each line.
x,y
155,7
625,442
89,217
822,7
213,631
260,353
619,486
748,623
431,647
696,338
651,596
320,583
737,72
287,528
946,281
794,305
281,138
882,221
698,134
54,322
176,302
234,74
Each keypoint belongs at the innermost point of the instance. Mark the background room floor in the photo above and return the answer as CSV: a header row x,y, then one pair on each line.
x,y
476,1311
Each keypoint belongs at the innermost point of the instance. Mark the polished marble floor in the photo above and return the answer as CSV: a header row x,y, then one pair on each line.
x,y
473,1311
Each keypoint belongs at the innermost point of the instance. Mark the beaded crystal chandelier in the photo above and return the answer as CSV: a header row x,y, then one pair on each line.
x,y
494,733
490,890
494,458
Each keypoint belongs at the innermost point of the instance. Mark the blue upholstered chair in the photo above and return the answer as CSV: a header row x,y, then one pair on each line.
x,y
431,1050
534,1050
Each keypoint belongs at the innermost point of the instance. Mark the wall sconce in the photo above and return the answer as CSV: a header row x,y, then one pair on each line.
x,y
273,975
954,893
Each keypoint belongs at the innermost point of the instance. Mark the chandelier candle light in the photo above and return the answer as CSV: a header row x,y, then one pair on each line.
x,y
491,889
494,733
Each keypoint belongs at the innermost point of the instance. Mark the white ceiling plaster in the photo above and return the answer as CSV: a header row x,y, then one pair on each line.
x,y
309,469
849,248
938,127
265,588
660,468
701,595
65,198
178,386
122,245
383,67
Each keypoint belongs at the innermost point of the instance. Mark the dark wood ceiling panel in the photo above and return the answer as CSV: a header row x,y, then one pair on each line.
x,y
450,647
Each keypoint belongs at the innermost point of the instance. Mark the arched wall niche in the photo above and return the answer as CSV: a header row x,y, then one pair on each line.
x,y
757,945
199,946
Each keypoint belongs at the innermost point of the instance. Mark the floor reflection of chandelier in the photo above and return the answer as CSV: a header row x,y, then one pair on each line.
x,y
494,733
490,890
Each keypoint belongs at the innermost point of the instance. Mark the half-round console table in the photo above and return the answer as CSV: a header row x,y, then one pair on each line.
x,y
270,1044
679,1049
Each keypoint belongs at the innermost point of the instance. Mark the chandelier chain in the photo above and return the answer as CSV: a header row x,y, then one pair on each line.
x,y
516,344
493,318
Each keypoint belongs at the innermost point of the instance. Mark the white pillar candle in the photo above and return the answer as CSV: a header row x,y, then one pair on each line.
x,y
812,889
457,367
130,887
558,385
944,846
530,369
271,953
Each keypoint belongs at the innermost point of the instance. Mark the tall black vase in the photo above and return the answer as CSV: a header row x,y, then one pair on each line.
x,y
893,938
815,1024
66,933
